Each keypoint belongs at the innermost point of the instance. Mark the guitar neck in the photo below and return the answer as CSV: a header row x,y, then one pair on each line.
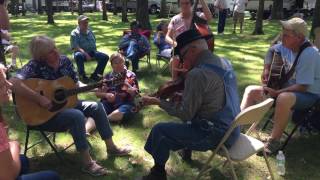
x,y
78,90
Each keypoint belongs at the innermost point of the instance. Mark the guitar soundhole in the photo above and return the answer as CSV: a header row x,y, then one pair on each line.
x,y
60,95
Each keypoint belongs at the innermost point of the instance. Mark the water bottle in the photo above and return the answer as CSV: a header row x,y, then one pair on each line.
x,y
281,161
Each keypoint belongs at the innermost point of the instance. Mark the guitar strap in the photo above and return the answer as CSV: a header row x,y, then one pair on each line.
x,y
292,69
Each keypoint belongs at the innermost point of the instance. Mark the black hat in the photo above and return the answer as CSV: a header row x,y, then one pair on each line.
x,y
187,37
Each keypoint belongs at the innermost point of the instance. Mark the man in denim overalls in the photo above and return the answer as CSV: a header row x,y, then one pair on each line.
x,y
209,104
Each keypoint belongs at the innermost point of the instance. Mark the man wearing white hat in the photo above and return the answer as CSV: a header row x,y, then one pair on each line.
x,y
301,83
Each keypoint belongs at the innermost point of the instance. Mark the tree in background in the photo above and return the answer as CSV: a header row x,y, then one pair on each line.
x,y
259,21
104,11
316,18
124,16
115,10
80,10
142,14
23,7
277,9
95,5
49,11
40,11
163,9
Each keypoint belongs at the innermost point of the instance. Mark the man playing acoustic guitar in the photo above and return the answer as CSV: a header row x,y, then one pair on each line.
x,y
47,64
300,86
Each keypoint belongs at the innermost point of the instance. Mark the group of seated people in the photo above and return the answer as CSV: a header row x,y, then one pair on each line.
x,y
209,105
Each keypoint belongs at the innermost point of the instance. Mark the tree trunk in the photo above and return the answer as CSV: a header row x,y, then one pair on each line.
x,y
104,11
95,5
49,11
80,11
115,9
259,22
142,14
40,11
34,4
277,9
316,18
124,11
299,4
23,7
163,9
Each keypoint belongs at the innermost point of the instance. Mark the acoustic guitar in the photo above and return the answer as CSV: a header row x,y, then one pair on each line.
x,y
277,72
62,92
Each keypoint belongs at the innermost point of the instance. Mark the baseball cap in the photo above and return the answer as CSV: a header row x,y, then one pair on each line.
x,y
82,18
296,24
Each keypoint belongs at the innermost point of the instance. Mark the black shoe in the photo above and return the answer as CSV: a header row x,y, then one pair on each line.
x,y
95,77
155,175
84,78
271,147
185,154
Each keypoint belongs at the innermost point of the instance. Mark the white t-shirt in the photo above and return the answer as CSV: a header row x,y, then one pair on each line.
x,y
240,5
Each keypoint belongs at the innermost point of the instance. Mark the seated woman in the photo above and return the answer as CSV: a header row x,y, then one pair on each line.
x,y
118,99
12,164
133,45
165,49
48,64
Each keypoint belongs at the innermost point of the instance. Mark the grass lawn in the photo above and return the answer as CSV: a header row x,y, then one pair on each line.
x,y
246,53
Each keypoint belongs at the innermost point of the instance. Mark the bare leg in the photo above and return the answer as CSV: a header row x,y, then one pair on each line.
x,y
285,102
252,95
90,125
115,116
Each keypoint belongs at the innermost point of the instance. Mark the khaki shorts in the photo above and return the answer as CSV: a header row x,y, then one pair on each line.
x,y
238,16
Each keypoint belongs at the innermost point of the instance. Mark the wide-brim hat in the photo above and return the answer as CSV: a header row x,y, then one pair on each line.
x,y
187,37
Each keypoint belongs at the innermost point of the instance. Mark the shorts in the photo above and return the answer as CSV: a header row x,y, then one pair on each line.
x,y
238,16
126,109
304,100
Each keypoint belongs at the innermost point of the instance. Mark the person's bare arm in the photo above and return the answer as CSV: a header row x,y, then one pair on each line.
x,y
206,11
170,38
20,88
10,162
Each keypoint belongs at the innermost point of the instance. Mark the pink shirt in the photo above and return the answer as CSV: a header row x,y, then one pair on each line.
x,y
4,141
179,25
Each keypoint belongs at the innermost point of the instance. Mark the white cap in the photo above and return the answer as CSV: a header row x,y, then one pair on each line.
x,y
296,24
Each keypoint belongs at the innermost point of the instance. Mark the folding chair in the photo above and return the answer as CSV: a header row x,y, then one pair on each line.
x,y
246,145
299,118
45,137
166,60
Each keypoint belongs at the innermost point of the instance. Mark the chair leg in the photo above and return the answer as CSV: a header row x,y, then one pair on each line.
x,y
51,145
206,167
234,175
26,142
268,165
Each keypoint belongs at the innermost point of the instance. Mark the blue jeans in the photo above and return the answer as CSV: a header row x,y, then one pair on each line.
x,y
174,136
222,20
74,120
100,57
50,175
133,54
304,100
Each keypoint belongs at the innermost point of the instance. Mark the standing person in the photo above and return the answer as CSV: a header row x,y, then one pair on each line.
x,y
83,43
48,64
223,11
210,103
301,90
181,23
238,14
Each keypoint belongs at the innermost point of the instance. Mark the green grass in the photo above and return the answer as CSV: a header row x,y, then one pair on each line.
x,y
244,50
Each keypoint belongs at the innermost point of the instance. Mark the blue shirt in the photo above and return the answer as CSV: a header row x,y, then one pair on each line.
x,y
160,42
86,41
307,70
39,69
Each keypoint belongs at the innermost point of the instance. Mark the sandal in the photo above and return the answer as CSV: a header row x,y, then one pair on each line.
x,y
94,169
119,152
